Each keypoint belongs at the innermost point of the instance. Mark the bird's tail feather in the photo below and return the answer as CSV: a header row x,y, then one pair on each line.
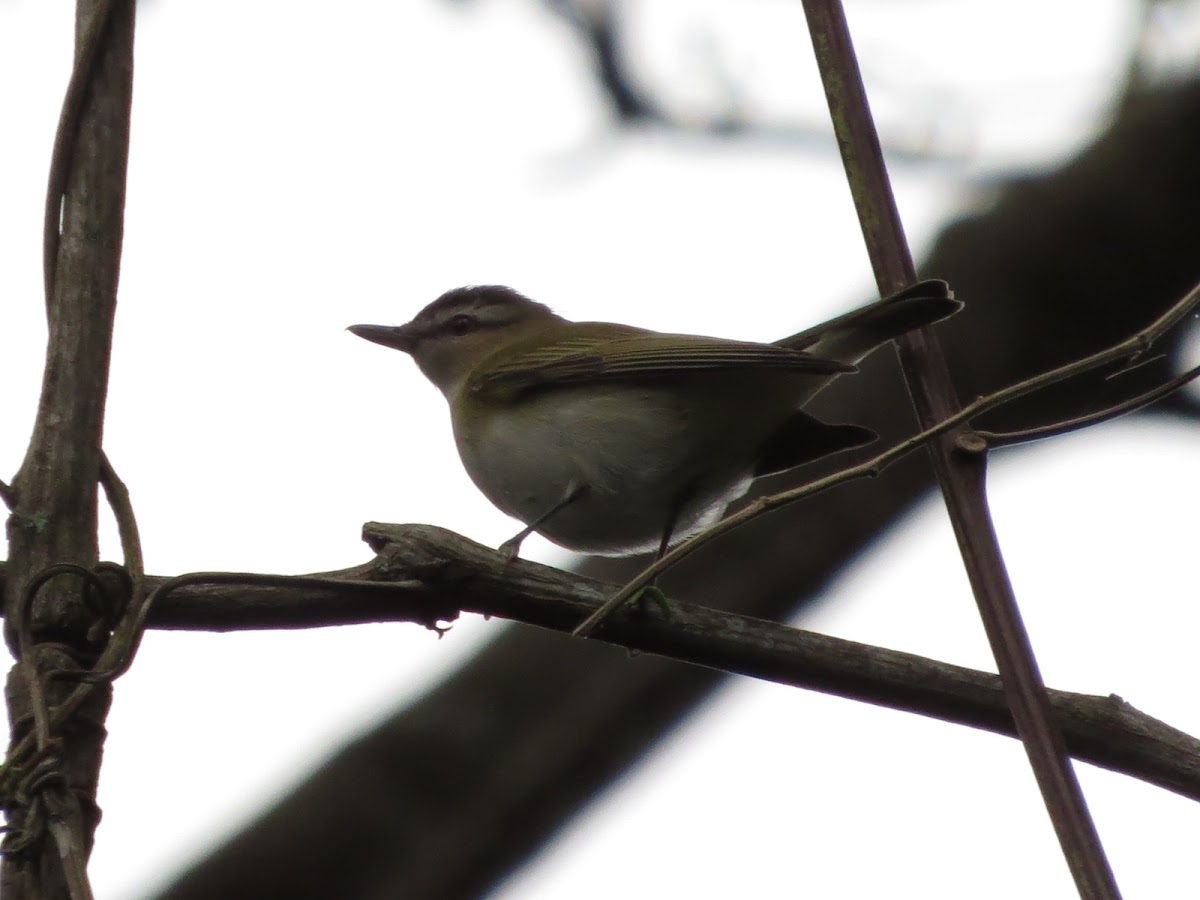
x,y
850,337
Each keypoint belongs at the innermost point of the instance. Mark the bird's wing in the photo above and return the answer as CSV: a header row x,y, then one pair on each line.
x,y
643,356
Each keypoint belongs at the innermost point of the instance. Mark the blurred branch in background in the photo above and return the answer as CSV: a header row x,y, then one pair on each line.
x,y
603,28
446,797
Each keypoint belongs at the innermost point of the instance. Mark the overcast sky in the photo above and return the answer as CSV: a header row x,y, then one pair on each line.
x,y
298,167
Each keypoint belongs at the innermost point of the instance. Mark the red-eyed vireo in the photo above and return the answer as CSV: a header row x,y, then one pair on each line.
x,y
614,440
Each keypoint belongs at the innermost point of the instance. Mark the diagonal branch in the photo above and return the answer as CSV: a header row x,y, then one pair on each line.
x,y
1126,349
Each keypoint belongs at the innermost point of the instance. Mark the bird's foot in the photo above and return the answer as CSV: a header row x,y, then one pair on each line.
x,y
651,594
511,548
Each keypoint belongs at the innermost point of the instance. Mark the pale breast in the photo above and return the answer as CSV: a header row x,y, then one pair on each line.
x,y
639,451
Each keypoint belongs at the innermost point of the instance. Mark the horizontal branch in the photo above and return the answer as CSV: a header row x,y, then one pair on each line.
x,y
426,574
228,601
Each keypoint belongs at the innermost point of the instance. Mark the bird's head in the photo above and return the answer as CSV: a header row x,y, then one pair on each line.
x,y
460,329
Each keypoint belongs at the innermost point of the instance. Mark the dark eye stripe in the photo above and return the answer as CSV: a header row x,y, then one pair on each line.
x,y
453,325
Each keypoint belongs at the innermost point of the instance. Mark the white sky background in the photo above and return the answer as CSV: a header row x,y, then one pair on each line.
x,y
299,167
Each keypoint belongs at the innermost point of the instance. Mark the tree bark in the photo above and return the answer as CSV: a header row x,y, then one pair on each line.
x,y
53,519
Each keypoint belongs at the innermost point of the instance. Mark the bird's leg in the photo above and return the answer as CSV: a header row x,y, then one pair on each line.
x,y
672,519
512,546
652,593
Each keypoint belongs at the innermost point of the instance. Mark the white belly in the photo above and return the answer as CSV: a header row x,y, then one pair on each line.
x,y
530,457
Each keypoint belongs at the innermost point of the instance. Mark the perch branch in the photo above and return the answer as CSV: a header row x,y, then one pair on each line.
x,y
427,575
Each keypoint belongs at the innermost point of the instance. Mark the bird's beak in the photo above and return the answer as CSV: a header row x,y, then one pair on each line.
x,y
398,337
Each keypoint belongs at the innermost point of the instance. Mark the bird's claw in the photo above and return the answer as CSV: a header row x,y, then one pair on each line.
x,y
651,593
510,549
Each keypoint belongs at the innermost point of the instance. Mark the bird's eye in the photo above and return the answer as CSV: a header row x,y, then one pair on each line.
x,y
461,324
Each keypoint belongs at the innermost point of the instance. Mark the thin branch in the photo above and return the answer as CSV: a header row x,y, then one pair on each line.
x,y
118,655
127,527
425,574
128,633
1054,429
961,476
231,601
598,27
1129,347
353,589
7,497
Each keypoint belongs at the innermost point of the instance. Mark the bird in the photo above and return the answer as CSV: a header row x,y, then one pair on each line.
x,y
614,440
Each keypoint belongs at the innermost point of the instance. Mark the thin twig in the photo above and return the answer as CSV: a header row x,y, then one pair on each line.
x,y
1128,347
131,549
127,527
1008,438
7,497
962,480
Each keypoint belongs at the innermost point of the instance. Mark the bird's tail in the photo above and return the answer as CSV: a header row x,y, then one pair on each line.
x,y
850,337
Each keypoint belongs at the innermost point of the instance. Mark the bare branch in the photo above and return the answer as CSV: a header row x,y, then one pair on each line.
x,y
962,476
1127,348
53,519
410,808
426,574
996,439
